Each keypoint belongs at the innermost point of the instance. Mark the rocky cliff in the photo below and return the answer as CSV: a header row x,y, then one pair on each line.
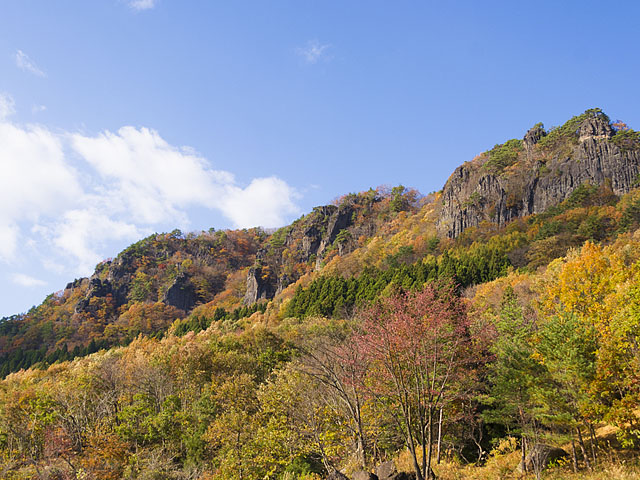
x,y
305,245
523,177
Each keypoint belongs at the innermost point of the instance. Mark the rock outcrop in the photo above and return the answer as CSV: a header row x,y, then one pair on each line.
x,y
306,242
533,136
543,176
259,287
182,294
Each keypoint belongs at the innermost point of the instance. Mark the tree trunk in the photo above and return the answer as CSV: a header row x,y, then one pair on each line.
x,y
439,437
412,448
428,473
574,456
594,443
584,451
523,453
361,452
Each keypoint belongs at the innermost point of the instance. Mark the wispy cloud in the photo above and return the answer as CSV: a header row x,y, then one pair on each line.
x,y
7,105
25,63
38,108
142,4
26,280
314,51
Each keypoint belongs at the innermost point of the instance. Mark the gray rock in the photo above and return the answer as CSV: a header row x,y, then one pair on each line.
x,y
362,475
181,294
258,288
386,470
533,136
97,288
595,126
541,456
317,233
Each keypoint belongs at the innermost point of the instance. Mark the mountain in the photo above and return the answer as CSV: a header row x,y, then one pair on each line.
x,y
162,278
303,352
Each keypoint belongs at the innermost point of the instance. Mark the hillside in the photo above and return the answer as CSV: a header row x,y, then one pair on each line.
x,y
202,337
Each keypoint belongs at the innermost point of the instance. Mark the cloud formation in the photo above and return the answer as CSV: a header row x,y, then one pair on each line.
x,y
313,52
23,62
142,4
7,106
74,193
26,280
37,181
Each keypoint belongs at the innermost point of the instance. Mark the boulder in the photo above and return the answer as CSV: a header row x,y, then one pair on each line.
x,y
386,470
363,475
540,456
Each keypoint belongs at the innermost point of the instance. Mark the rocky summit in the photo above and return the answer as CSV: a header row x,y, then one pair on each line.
x,y
524,177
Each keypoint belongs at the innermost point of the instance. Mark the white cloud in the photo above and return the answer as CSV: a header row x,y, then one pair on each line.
x,y
65,196
36,177
81,232
7,106
38,108
156,181
142,4
153,178
26,280
25,63
9,234
36,180
314,51
265,202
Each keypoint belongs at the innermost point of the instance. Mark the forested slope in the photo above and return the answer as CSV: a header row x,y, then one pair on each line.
x,y
254,354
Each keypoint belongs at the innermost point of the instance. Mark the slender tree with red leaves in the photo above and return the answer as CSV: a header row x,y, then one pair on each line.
x,y
421,357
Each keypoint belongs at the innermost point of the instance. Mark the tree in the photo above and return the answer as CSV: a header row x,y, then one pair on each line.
x,y
336,368
420,355
567,349
514,373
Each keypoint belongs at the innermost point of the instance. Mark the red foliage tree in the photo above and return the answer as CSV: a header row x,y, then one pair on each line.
x,y
421,358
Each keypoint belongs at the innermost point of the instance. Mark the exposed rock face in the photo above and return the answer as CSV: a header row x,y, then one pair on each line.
x,y
533,136
97,288
312,239
116,284
258,288
595,127
181,294
473,194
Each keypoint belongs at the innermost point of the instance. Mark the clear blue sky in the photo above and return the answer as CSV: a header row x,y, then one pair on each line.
x,y
119,118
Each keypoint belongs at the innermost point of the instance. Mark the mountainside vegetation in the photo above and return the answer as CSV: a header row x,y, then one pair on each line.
x,y
492,326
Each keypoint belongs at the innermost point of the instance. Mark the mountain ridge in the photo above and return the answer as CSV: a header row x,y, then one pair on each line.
x,y
162,278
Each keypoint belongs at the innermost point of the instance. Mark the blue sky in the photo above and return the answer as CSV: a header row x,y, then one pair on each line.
x,y
119,118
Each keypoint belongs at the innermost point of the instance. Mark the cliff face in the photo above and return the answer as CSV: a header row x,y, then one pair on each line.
x,y
539,172
303,246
